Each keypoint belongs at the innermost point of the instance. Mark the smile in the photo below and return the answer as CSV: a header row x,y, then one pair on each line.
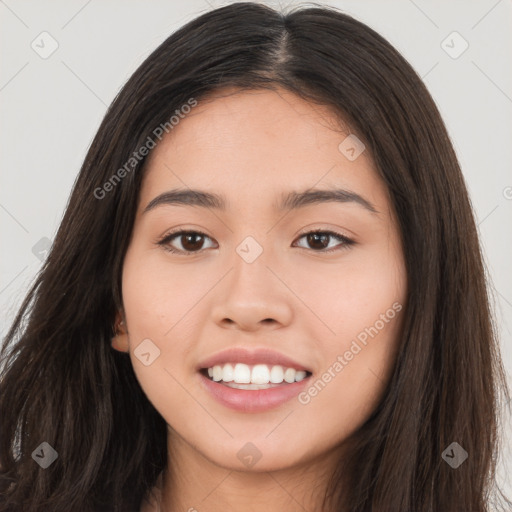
x,y
254,377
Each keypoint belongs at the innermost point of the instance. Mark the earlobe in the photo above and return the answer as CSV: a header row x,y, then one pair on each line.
x,y
120,343
120,338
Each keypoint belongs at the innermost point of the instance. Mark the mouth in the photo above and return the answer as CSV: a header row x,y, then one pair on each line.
x,y
253,377
253,388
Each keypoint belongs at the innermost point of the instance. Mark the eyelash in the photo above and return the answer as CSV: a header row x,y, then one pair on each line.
x,y
164,242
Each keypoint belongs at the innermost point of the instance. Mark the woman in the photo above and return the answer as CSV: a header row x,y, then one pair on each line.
x,y
266,291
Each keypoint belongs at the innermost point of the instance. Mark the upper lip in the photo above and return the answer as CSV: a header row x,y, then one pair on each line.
x,y
250,357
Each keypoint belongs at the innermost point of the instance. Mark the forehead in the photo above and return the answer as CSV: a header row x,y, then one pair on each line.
x,y
256,144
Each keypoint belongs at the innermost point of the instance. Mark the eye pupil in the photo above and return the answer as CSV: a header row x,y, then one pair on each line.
x,y
192,245
313,238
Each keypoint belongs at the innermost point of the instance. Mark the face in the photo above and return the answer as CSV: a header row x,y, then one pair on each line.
x,y
247,276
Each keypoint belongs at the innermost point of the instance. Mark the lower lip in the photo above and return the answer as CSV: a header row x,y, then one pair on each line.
x,y
253,400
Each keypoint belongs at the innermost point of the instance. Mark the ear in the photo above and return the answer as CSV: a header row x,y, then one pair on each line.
x,y
120,339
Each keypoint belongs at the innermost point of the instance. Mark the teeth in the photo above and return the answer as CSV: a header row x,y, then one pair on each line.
x,y
242,374
228,373
289,375
259,374
300,375
276,374
217,373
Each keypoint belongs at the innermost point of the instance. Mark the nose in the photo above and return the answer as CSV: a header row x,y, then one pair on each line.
x,y
253,297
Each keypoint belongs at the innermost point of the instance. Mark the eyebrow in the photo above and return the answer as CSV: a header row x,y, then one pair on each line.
x,y
290,201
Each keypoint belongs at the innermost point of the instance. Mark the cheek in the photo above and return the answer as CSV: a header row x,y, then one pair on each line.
x,y
157,296
361,303
155,305
355,374
352,293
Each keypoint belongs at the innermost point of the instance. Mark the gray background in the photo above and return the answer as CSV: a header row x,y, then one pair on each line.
x,y
51,108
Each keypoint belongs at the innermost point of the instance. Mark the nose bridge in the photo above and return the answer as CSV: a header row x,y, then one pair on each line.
x,y
250,261
250,276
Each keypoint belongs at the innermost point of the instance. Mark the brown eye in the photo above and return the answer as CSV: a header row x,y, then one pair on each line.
x,y
192,242
319,241
185,242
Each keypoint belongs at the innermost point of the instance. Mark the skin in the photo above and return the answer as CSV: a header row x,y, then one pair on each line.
x,y
307,304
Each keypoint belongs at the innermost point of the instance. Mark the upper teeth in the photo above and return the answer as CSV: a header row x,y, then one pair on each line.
x,y
257,374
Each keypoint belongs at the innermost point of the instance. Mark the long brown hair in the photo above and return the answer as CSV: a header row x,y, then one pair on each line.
x,y
63,384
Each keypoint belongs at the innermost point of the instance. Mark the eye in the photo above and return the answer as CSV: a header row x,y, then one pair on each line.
x,y
190,242
193,241
319,240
